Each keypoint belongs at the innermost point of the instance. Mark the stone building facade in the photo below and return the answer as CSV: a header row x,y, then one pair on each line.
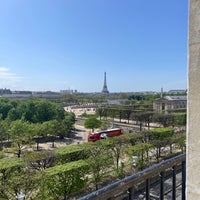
x,y
193,111
167,103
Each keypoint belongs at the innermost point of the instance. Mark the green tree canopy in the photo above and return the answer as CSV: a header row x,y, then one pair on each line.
x,y
19,134
92,123
36,111
62,180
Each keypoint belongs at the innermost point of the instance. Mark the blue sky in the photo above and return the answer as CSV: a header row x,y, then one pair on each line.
x,y
69,44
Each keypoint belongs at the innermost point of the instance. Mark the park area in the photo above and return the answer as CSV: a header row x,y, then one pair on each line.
x,y
45,153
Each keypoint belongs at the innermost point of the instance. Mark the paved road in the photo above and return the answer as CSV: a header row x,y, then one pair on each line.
x,y
81,134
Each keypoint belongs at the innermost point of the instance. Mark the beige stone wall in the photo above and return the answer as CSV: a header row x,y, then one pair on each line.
x,y
193,128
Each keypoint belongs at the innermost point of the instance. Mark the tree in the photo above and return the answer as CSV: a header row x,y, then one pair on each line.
x,y
46,110
180,119
166,120
138,117
57,128
117,145
147,118
39,160
160,137
67,124
3,130
105,124
71,153
100,112
92,123
120,113
7,167
127,113
19,133
16,178
38,131
112,112
62,180
52,128
99,161
5,106
36,111
135,138
141,150
180,141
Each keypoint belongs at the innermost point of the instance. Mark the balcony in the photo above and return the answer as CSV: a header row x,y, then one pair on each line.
x,y
165,180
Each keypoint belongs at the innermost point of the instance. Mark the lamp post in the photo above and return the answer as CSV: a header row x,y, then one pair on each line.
x,y
20,196
135,160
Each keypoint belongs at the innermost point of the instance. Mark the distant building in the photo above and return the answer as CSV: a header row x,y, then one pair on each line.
x,y
46,95
169,103
30,94
68,91
177,91
5,91
105,88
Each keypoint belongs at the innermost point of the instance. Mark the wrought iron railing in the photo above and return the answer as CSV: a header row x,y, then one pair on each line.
x,y
163,180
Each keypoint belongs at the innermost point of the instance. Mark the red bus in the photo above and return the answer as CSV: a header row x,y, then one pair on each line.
x,y
92,137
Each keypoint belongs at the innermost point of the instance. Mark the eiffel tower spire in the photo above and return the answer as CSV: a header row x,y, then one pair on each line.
x,y
105,88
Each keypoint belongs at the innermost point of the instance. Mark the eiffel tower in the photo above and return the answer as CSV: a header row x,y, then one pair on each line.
x,y
105,88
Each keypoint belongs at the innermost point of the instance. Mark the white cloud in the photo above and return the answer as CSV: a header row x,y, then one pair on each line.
x,y
4,69
8,79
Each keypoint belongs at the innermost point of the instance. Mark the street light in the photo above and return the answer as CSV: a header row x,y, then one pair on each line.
x,y
20,196
135,160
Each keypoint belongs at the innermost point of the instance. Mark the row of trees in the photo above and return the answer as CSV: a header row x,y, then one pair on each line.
x,y
28,121
143,115
131,98
31,110
67,170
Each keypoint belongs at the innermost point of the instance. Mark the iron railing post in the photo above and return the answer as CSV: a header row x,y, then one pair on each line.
x,y
161,185
174,183
130,193
183,179
147,188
